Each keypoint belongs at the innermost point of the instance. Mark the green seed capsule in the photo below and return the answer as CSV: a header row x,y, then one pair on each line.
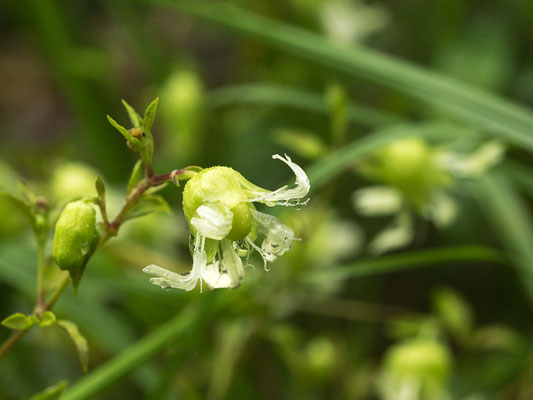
x,y
75,238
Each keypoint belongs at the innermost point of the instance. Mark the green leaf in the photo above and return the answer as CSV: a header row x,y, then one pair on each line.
x,y
133,142
136,175
147,204
100,187
28,194
79,341
19,321
53,392
495,115
22,205
149,115
511,220
48,318
135,118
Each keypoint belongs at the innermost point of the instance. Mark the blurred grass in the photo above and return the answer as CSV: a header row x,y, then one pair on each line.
x,y
493,114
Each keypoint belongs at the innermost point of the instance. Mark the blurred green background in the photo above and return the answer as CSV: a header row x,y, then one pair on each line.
x,y
414,275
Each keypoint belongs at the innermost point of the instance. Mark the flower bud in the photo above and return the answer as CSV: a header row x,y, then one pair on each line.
x,y
75,238
412,166
212,191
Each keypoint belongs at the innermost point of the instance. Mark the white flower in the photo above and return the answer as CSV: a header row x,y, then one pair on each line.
x,y
226,227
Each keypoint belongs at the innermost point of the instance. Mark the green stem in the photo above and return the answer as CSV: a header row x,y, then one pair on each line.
x,y
41,265
131,358
110,230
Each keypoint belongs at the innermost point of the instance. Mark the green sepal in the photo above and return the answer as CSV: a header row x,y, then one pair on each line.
x,y
135,118
136,175
52,392
79,341
100,187
19,321
149,115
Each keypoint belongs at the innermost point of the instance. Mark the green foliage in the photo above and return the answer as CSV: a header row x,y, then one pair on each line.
x,y
82,347
377,295
147,204
19,321
53,392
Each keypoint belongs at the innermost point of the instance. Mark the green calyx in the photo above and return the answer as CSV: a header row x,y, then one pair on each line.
x,y
75,238
221,185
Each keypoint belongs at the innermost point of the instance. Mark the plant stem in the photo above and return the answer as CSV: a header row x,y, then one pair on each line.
x,y
41,265
10,341
110,230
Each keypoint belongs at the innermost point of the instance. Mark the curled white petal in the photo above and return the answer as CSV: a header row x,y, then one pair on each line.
x,y
212,220
167,279
232,263
278,237
377,200
215,278
284,195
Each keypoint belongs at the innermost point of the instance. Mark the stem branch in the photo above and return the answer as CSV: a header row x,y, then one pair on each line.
x,y
110,229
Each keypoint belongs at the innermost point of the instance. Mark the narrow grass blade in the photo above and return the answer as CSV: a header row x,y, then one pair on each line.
x,y
511,221
495,115
409,260
286,96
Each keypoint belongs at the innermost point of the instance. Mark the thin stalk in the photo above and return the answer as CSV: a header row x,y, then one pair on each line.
x,y
41,265
110,230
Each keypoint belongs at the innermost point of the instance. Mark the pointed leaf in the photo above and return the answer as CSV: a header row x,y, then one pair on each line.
x,y
19,321
52,392
148,204
119,128
100,187
26,192
48,318
136,175
149,115
135,118
21,204
79,341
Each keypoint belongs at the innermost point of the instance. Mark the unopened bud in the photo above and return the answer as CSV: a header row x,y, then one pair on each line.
x,y
75,238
